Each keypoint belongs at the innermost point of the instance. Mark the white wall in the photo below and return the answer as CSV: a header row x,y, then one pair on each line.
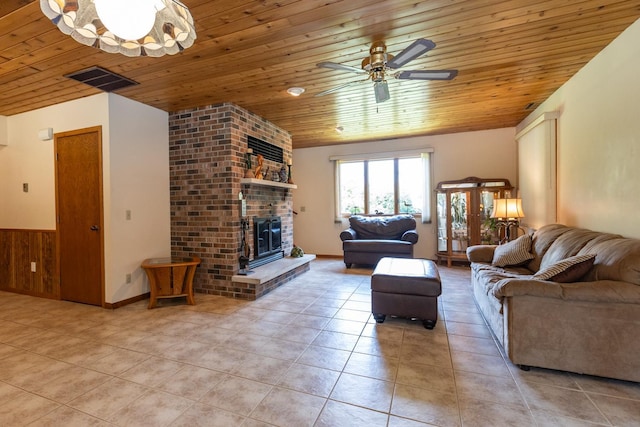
x,y
27,159
598,144
485,154
138,181
4,132
537,173
135,145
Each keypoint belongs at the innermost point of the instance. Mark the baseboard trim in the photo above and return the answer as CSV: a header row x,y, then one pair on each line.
x,y
127,301
329,256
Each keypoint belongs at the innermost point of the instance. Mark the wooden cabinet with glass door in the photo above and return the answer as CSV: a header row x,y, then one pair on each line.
x,y
463,215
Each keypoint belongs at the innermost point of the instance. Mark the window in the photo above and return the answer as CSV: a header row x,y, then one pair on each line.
x,y
384,185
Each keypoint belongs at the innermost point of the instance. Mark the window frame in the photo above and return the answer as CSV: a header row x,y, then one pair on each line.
x,y
426,154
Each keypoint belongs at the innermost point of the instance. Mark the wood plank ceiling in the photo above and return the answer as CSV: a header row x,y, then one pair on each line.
x,y
511,55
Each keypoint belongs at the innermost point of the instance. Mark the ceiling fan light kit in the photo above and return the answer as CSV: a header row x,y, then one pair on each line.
x,y
381,90
381,64
131,28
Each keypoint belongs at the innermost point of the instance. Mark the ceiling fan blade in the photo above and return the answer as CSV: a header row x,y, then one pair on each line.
x,y
381,90
427,74
341,67
411,52
337,88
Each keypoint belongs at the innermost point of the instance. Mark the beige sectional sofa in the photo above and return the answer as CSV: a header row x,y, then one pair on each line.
x,y
590,325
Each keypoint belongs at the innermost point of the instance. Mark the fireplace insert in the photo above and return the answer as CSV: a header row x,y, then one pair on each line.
x,y
267,236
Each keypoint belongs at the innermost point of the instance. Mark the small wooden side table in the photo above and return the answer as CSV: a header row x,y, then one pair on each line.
x,y
170,278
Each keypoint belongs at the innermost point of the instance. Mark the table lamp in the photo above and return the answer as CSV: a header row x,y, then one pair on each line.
x,y
507,212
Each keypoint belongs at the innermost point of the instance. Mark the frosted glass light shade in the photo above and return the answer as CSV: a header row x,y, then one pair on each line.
x,y
129,20
114,28
381,90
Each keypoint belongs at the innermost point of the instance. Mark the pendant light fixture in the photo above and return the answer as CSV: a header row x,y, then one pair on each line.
x,y
129,27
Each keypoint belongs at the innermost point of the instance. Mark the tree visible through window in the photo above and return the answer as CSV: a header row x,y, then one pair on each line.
x,y
352,187
382,186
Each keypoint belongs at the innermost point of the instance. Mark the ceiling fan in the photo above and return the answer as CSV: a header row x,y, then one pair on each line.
x,y
381,64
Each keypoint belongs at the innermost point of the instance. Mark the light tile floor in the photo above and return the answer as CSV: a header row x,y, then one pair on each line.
x,y
308,354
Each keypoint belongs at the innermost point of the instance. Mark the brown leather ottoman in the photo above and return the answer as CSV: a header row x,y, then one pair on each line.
x,y
406,288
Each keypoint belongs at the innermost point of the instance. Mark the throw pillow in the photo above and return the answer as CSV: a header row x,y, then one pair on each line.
x,y
567,270
515,252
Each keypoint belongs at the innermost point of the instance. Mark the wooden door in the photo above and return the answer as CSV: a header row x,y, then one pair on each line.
x,y
79,209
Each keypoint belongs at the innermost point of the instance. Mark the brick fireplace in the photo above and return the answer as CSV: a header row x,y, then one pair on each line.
x,y
207,147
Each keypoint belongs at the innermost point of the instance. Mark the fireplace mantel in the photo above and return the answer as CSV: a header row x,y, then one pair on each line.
x,y
267,183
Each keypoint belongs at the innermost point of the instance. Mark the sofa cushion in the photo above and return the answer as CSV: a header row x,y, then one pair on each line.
x,y
489,275
542,240
567,270
604,291
617,259
515,252
392,227
567,245
378,246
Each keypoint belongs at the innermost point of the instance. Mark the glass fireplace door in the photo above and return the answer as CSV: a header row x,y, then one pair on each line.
x,y
267,236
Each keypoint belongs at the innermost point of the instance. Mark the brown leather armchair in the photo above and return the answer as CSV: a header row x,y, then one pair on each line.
x,y
369,239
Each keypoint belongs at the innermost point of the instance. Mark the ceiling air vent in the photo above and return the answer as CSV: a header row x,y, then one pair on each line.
x,y
101,79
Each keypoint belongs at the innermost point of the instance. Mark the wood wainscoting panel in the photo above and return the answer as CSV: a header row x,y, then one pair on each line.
x,y
21,260
7,275
48,254
20,248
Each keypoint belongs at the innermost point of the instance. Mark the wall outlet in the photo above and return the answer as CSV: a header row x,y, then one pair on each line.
x,y
128,215
128,278
33,267
25,187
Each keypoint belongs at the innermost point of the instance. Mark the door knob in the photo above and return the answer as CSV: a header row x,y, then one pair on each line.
x,y
95,228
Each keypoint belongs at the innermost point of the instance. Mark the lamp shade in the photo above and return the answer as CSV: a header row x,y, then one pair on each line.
x,y
507,208
132,28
